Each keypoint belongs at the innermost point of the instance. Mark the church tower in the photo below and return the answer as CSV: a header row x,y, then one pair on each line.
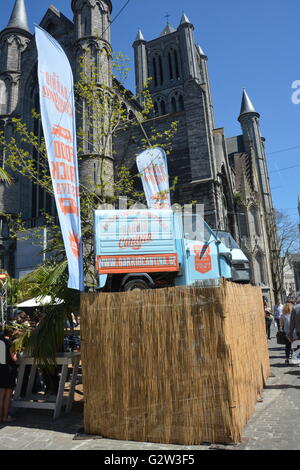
x,y
180,88
92,31
260,239
14,40
249,120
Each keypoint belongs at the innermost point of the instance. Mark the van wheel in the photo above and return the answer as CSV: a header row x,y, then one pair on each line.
x,y
135,284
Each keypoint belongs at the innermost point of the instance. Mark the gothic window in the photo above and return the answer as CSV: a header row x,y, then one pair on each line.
x,y
176,64
90,130
4,53
154,72
94,60
103,22
260,268
159,106
243,224
14,53
180,103
170,66
173,105
161,73
86,21
2,97
254,220
8,91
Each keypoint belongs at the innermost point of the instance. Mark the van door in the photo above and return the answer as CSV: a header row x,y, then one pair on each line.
x,y
203,261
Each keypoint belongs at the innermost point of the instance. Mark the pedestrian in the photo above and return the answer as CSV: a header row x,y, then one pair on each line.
x,y
295,320
8,375
285,320
268,318
277,313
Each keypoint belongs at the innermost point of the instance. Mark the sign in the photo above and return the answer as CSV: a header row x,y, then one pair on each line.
x,y
203,262
135,241
152,165
59,126
137,263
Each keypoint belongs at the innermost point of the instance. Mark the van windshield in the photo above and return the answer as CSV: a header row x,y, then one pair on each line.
x,y
195,228
227,239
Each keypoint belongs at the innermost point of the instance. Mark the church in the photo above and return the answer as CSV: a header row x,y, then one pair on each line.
x,y
228,175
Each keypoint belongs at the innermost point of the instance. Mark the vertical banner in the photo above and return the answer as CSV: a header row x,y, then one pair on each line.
x,y
59,126
152,165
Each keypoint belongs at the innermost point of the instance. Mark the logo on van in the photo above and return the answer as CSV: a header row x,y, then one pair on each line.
x,y
135,242
202,258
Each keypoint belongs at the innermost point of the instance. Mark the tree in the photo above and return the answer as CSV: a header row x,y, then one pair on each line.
x,y
104,111
287,243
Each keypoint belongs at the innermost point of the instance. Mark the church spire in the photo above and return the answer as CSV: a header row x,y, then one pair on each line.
x,y
184,19
19,17
247,106
140,36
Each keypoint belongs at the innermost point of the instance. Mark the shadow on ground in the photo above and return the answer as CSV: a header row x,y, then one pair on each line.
x,y
43,419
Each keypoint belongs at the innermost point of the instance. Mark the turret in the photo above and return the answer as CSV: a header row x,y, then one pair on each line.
x,y
140,59
188,49
249,120
92,26
14,39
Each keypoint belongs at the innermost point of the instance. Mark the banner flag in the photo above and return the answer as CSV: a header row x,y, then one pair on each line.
x,y
152,165
59,126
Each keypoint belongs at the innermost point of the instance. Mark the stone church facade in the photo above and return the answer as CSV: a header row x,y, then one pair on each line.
x,y
228,175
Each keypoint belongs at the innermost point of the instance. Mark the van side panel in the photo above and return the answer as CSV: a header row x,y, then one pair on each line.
x,y
135,241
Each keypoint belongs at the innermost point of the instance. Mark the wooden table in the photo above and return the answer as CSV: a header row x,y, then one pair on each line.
x,y
54,402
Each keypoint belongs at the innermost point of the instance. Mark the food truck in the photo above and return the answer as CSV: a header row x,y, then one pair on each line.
x,y
148,248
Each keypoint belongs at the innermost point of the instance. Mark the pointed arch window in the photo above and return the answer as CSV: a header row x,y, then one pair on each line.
x,y
170,66
181,103
163,107
161,71
8,89
176,64
154,71
260,268
173,105
254,220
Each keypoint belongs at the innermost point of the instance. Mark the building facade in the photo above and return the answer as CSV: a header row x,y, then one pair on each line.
x,y
228,176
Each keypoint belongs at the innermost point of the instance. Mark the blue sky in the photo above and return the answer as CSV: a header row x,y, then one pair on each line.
x,y
249,44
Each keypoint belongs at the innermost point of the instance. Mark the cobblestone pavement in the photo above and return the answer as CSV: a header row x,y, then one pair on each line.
x,y
275,425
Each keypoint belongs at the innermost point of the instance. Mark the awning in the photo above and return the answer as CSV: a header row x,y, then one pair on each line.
x,y
40,302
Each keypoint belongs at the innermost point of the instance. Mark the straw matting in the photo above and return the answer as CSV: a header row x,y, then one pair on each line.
x,y
177,365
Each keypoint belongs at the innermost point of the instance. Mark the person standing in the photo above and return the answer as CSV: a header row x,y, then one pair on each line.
x,y
8,375
295,321
285,321
268,319
277,313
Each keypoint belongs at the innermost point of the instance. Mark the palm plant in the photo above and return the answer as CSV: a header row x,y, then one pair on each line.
x,y
46,339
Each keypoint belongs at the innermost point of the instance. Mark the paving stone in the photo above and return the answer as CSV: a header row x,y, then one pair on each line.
x,y
275,424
